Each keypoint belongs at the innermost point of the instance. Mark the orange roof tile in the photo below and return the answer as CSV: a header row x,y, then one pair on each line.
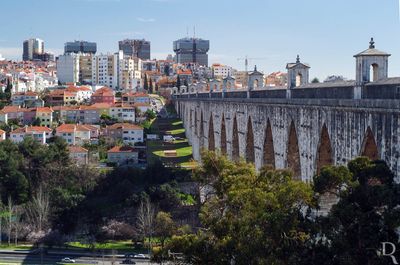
x,y
44,109
32,129
121,149
77,149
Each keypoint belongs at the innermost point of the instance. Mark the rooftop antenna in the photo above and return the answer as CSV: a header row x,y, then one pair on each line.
x,y
187,31
194,32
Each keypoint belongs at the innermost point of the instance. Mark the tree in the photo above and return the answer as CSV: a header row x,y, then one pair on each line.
x,y
151,86
366,214
145,219
8,90
315,80
248,217
178,83
150,114
38,210
37,122
165,227
145,83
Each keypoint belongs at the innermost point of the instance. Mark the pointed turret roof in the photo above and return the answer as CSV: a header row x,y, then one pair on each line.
x,y
371,51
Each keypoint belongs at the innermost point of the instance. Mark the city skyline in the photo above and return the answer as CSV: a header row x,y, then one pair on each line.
x,y
275,36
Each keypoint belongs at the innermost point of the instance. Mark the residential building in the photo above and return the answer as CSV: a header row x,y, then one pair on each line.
x,y
191,50
131,73
78,154
123,113
32,49
77,134
277,79
80,47
106,69
131,98
85,68
13,113
68,68
135,48
56,97
29,99
127,132
103,95
142,107
39,133
123,155
221,71
45,114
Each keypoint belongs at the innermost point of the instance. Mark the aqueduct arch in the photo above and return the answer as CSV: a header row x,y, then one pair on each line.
x,y
324,152
235,140
293,154
250,142
201,134
369,147
269,153
211,139
223,135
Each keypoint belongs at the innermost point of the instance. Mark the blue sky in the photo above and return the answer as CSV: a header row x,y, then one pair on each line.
x,y
326,33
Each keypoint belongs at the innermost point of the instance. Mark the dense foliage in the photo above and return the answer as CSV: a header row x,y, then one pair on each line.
x,y
269,218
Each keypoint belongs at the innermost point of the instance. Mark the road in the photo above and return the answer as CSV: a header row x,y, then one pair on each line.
x,y
13,259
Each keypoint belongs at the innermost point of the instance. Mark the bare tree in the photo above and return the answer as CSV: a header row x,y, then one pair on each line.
x,y
38,210
145,219
10,212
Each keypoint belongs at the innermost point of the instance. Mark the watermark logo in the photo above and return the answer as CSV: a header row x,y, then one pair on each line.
x,y
388,250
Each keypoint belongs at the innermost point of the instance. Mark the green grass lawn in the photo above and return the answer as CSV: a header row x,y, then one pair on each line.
x,y
177,123
155,149
117,245
180,152
176,131
21,246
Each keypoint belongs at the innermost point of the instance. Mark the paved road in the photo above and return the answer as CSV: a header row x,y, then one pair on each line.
x,y
9,258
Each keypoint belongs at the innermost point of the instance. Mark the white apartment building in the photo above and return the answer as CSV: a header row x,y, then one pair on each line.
x,y
221,71
131,73
68,68
107,69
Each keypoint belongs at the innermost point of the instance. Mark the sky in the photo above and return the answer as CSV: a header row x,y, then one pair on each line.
x,y
325,33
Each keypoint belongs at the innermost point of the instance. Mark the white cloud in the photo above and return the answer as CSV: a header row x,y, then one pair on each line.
x,y
145,20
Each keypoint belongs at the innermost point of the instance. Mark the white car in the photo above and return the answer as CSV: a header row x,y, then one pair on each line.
x,y
68,260
140,256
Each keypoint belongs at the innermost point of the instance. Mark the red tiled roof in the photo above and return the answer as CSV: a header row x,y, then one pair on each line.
x,y
44,109
75,127
77,149
32,129
11,109
121,149
104,91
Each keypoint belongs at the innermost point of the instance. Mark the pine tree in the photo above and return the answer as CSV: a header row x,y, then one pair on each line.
x,y
145,85
178,82
151,86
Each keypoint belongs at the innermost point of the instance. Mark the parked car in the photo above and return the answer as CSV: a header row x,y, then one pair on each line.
x,y
140,256
68,260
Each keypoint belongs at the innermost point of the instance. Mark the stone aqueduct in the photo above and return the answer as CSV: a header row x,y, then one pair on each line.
x,y
296,134
302,127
